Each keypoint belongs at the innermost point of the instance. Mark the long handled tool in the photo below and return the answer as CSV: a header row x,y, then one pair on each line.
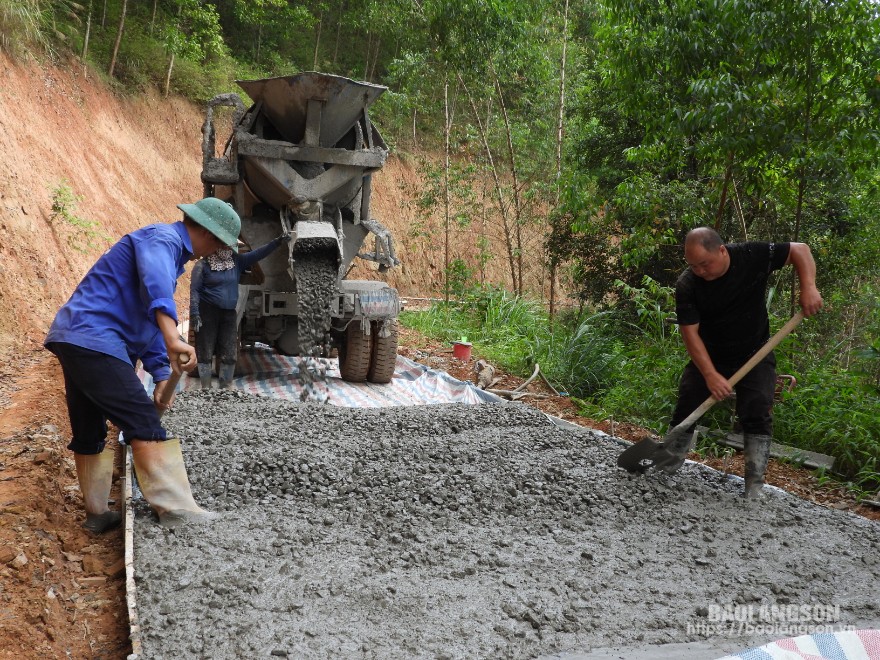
x,y
649,453
170,386
168,392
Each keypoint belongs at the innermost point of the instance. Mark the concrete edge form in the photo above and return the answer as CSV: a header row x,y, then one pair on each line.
x,y
134,631
571,426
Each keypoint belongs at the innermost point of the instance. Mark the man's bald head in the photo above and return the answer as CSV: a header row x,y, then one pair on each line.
x,y
705,237
705,253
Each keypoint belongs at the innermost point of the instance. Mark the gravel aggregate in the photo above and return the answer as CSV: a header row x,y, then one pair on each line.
x,y
467,531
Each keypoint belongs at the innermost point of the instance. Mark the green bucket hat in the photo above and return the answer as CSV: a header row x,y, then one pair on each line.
x,y
218,217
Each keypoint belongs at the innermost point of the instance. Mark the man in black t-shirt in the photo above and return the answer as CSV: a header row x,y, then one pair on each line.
x,y
722,313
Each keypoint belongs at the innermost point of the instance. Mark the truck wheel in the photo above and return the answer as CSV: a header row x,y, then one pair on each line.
x,y
384,356
354,354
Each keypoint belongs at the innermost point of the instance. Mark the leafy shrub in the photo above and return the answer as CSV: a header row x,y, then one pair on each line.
x,y
201,82
833,412
459,277
583,357
81,234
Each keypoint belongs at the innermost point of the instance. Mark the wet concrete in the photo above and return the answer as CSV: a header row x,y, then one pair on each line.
x,y
459,531
316,262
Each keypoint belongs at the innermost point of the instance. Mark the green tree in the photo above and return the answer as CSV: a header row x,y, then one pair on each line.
x,y
750,115
193,33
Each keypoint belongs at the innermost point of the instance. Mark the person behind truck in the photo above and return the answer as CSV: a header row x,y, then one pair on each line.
x,y
121,312
213,296
722,313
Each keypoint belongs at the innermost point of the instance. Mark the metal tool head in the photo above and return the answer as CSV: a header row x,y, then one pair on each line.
x,y
639,456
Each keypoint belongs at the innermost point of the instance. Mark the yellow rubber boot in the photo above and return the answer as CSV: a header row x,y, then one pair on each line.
x,y
161,475
95,474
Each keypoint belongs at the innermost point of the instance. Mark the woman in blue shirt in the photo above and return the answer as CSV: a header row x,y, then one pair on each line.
x,y
213,296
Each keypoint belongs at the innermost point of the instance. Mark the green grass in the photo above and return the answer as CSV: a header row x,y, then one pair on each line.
x,y
579,355
20,27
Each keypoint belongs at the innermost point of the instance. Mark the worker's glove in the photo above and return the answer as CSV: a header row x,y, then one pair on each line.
x,y
284,238
197,323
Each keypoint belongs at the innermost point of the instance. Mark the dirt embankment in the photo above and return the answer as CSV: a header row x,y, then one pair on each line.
x,y
130,160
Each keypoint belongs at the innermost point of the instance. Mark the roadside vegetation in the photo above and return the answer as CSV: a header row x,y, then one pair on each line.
x,y
585,138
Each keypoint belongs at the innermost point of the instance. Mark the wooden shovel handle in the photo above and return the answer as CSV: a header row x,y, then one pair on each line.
x,y
170,386
784,331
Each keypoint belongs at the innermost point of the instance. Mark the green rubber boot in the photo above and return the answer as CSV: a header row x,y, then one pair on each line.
x,y
757,454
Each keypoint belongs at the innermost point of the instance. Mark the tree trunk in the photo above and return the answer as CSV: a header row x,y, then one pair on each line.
x,y
85,50
728,173
369,50
104,16
517,202
153,19
499,192
168,75
118,38
338,32
446,187
375,58
559,135
317,42
415,111
737,205
802,169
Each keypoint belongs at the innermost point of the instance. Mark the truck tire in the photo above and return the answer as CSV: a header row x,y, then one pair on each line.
x,y
355,353
384,355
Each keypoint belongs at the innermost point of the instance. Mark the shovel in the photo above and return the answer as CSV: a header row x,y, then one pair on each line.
x,y
649,453
170,386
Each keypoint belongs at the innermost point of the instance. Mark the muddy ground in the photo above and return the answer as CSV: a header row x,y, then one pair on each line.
x,y
460,531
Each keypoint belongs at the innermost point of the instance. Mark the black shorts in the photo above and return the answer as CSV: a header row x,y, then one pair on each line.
x,y
102,388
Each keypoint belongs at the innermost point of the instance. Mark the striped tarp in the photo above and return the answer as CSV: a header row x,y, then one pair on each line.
x,y
847,645
274,375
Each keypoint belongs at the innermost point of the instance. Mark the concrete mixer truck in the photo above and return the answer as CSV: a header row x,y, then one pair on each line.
x,y
300,159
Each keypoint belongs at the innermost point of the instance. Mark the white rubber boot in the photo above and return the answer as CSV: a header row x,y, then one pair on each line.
x,y
162,478
95,474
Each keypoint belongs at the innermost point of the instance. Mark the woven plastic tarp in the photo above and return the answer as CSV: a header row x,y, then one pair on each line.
x,y
849,645
274,375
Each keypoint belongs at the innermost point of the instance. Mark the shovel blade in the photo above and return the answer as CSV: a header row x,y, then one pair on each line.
x,y
639,456
674,450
